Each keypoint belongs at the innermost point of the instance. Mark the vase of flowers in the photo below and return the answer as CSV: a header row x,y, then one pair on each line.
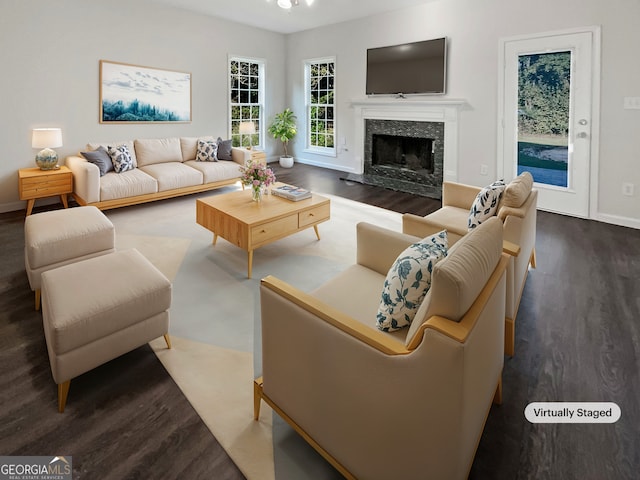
x,y
257,176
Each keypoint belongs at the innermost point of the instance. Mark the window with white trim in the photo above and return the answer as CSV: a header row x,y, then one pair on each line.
x,y
246,100
320,100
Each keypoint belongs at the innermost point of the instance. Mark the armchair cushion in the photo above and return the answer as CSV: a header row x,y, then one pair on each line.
x,y
518,190
486,204
408,281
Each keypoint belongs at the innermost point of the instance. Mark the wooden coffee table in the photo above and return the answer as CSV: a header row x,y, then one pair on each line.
x,y
250,225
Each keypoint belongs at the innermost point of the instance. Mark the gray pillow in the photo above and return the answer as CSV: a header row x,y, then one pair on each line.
x,y
101,158
224,149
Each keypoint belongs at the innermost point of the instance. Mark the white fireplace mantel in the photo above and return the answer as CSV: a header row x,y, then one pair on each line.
x,y
419,110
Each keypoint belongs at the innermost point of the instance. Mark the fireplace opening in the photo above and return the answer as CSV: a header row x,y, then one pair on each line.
x,y
400,152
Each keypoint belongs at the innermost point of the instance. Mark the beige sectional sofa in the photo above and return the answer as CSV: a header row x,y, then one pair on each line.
x,y
164,168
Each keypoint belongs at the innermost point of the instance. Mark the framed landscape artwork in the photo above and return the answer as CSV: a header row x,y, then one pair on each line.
x,y
136,94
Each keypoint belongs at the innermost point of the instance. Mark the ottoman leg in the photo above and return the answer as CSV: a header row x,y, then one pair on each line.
x,y
63,391
38,299
167,339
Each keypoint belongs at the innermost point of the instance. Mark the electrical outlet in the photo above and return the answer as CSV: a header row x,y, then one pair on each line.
x,y
484,169
627,189
631,103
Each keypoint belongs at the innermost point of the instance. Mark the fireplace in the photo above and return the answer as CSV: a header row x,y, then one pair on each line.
x,y
404,155
432,120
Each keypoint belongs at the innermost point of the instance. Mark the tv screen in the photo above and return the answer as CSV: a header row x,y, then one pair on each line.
x,y
410,68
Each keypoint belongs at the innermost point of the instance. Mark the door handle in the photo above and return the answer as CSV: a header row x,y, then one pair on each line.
x,y
581,135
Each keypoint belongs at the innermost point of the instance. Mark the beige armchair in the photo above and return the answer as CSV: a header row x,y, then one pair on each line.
x,y
516,210
410,404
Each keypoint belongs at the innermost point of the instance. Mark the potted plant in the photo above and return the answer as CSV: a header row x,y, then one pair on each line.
x,y
283,128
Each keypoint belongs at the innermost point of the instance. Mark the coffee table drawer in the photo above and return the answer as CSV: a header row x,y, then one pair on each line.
x,y
309,217
274,229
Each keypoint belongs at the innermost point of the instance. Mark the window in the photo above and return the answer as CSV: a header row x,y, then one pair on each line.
x,y
246,89
320,81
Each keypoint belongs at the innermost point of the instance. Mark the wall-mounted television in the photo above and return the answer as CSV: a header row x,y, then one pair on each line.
x,y
408,69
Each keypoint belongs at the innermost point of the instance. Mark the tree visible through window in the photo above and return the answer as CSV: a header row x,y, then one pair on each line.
x,y
320,75
246,99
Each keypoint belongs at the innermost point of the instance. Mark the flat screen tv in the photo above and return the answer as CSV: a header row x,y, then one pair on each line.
x,y
408,69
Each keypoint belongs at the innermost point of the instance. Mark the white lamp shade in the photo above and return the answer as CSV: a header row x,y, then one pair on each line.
x,y
247,127
46,138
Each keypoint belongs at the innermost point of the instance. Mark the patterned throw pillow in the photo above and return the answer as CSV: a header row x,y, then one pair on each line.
x,y
121,158
408,281
486,204
207,151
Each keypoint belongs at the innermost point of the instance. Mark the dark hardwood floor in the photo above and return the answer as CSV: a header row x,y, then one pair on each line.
x,y
577,340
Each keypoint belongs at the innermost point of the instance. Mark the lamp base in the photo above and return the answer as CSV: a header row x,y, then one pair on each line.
x,y
47,159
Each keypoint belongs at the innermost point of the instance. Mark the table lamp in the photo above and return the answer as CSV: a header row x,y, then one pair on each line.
x,y
47,138
248,128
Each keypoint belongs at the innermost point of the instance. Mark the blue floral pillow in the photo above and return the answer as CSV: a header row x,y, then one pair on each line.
x,y
121,158
207,151
486,204
408,282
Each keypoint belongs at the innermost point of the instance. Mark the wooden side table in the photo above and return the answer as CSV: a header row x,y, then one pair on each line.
x,y
258,156
34,183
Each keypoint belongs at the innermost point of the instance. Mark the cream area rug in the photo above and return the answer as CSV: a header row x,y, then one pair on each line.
x,y
215,318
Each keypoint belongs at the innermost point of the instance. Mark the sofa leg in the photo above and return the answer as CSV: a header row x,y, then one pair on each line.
x,y
532,259
257,397
167,339
38,293
509,337
63,392
497,398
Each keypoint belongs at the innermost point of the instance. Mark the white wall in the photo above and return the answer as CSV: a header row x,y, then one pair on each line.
x,y
474,29
50,52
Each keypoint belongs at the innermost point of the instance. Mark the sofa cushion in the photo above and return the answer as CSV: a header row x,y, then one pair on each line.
x,y
173,175
408,282
101,158
207,151
157,150
486,204
128,184
216,171
105,145
224,149
518,190
189,146
457,280
121,158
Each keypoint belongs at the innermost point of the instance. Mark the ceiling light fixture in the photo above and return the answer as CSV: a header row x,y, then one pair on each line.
x,y
287,4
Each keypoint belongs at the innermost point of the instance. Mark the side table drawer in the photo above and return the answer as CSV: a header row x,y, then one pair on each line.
x,y
47,186
313,215
275,229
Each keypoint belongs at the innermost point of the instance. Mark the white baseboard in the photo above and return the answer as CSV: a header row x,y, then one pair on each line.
x,y
331,166
13,206
618,220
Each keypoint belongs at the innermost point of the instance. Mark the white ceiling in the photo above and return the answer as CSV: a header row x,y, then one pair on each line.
x,y
266,14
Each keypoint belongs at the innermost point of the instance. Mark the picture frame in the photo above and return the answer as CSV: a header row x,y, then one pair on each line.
x,y
137,94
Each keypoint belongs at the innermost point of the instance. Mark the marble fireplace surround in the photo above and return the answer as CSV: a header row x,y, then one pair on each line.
x,y
435,110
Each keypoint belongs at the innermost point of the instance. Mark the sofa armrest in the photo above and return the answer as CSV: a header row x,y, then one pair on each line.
x,y
378,248
419,226
459,195
374,338
240,155
86,179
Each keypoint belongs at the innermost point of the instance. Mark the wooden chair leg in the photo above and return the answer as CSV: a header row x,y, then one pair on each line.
x,y
509,337
167,339
38,299
257,397
532,259
63,392
497,398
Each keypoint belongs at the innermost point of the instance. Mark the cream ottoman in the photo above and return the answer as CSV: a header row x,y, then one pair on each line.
x,y
98,309
60,237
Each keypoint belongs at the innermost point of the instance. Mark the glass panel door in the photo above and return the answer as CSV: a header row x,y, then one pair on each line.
x,y
544,97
